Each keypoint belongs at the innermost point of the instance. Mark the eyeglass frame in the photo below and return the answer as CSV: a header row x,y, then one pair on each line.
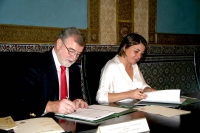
x,y
72,52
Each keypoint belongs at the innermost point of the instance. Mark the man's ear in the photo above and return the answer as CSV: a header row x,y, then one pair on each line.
x,y
58,43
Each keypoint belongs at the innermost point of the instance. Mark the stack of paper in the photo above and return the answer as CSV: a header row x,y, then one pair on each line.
x,y
164,96
162,110
38,125
7,123
95,112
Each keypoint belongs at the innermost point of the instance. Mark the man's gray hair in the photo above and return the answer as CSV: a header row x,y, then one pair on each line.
x,y
72,31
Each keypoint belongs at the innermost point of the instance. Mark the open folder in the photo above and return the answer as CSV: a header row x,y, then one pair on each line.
x,y
166,98
97,113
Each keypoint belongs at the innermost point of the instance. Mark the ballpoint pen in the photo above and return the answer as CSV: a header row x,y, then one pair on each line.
x,y
69,100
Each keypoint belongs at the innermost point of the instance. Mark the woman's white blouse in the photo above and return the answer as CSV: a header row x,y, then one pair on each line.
x,y
114,79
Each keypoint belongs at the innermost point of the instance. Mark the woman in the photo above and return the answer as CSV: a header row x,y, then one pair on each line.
x,y
121,79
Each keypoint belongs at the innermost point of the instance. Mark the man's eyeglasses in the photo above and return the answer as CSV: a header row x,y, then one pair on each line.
x,y
72,52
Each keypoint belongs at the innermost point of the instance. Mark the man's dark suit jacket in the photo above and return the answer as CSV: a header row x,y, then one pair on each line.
x,y
39,84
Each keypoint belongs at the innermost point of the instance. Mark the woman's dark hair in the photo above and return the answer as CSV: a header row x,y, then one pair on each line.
x,y
130,40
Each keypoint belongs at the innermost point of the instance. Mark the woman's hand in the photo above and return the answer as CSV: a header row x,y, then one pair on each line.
x,y
137,94
148,89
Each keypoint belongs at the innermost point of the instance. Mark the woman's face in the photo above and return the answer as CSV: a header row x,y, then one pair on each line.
x,y
134,53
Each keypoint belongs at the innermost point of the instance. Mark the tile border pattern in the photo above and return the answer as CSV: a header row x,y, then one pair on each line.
x,y
165,67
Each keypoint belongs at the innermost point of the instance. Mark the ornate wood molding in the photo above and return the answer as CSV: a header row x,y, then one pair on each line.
x,y
125,18
28,34
48,35
168,39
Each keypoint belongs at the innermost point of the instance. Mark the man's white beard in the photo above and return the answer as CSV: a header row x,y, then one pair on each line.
x,y
66,63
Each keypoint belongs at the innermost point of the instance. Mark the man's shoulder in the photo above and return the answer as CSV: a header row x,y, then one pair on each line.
x,y
39,56
42,61
75,66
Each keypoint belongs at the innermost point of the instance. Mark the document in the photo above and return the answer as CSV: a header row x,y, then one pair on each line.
x,y
189,100
134,126
164,96
96,112
7,123
38,125
168,112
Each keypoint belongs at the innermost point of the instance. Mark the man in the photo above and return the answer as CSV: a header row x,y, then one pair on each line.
x,y
39,91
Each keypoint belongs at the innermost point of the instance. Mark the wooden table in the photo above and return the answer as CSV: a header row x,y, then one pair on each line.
x,y
157,123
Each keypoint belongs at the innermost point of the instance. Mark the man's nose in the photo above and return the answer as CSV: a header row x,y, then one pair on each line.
x,y
74,57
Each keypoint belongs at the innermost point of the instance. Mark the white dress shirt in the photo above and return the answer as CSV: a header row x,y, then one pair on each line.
x,y
115,79
59,71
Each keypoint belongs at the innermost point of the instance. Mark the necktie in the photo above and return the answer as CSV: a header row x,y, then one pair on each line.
x,y
63,92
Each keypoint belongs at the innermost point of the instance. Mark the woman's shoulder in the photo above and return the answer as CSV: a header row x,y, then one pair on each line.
x,y
113,62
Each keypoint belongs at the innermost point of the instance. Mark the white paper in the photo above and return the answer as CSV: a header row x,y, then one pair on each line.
x,y
7,123
38,125
89,114
108,108
162,110
134,126
164,96
94,112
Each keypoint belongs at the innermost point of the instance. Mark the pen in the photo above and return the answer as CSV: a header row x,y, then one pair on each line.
x,y
140,91
69,100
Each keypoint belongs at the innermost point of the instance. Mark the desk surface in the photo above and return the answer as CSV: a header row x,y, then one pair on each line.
x,y
157,123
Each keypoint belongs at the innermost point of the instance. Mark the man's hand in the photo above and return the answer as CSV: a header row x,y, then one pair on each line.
x,y
79,103
63,106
